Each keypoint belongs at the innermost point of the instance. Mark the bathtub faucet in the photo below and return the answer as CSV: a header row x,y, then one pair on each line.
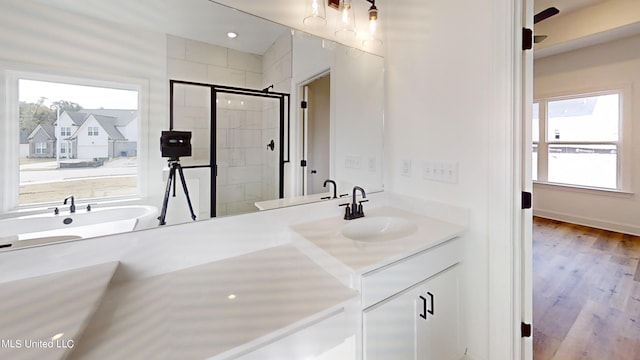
x,y
72,208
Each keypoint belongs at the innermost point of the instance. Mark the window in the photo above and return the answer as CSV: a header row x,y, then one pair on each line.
x,y
100,171
41,148
577,140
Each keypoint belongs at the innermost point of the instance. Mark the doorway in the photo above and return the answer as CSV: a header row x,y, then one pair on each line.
x,y
316,134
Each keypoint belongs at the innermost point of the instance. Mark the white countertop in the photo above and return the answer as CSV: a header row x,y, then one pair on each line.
x,y
36,309
364,256
211,309
291,201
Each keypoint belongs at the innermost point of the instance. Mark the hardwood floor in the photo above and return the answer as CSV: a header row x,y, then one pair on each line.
x,y
586,293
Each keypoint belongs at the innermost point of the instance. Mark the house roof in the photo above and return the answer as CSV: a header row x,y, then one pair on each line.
x,y
108,123
124,117
77,117
48,129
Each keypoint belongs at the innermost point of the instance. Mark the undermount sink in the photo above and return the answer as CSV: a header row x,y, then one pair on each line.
x,y
378,228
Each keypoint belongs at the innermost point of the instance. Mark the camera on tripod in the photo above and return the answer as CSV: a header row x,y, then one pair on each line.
x,y
175,144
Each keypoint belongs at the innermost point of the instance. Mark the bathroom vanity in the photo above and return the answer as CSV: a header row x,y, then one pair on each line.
x,y
307,284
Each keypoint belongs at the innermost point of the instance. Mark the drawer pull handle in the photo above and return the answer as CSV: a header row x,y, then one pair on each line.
x,y
431,310
426,311
424,307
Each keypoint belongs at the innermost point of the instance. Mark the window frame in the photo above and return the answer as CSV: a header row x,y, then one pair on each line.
x,y
623,144
10,74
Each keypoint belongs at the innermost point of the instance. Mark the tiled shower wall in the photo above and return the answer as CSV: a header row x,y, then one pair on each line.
x,y
246,169
277,71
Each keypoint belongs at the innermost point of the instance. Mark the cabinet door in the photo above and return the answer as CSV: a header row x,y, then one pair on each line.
x,y
438,331
420,323
389,328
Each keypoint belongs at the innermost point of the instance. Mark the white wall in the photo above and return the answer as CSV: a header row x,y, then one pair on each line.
x,y
610,65
448,69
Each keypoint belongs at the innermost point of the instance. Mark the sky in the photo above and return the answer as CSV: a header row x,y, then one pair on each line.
x,y
88,97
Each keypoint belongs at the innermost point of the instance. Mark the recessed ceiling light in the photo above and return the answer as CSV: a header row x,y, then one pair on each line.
x,y
232,35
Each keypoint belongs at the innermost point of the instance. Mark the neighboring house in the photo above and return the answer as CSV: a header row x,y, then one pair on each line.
x,y
42,142
99,133
24,143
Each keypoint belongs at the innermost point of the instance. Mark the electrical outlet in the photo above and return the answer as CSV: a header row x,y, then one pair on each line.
x,y
372,164
405,167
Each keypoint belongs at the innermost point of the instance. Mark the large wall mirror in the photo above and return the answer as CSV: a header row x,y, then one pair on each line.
x,y
87,96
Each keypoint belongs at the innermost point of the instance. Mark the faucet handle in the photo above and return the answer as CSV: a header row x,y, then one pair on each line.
x,y
347,211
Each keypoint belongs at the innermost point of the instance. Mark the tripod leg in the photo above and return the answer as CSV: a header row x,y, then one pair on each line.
x,y
173,168
165,202
186,192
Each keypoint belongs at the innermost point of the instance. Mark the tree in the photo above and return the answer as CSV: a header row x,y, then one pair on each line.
x,y
34,114
64,105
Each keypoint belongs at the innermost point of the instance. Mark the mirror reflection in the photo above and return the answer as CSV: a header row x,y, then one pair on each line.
x,y
92,101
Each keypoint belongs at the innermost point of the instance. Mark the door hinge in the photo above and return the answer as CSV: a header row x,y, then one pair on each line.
x,y
527,39
525,329
303,104
526,200
303,163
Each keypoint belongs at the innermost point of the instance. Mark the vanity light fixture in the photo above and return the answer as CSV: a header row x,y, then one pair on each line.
x,y
346,24
315,13
372,38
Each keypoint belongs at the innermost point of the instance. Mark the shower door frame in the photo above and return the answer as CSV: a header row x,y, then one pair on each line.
x,y
284,106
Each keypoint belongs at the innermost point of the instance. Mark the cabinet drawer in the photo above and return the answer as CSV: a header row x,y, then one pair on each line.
x,y
382,283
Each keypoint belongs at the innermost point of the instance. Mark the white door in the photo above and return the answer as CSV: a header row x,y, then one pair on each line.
x,y
317,125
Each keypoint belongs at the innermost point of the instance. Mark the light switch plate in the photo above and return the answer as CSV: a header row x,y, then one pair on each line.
x,y
440,171
405,167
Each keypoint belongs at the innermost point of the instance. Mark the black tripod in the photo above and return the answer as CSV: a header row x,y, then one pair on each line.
x,y
174,164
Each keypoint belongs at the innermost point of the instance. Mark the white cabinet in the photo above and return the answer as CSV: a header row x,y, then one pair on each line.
x,y
421,322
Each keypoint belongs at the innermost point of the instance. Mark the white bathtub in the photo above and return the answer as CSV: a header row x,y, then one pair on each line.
x,y
81,224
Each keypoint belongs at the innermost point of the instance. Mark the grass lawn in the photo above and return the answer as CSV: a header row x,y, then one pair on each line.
x,y
82,189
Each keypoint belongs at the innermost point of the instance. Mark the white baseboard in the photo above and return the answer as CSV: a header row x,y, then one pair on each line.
x,y
581,220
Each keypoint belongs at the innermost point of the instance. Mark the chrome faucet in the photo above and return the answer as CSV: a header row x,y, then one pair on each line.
x,y
335,188
72,208
354,210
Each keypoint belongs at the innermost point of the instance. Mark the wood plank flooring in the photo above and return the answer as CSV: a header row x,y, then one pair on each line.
x,y
586,293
